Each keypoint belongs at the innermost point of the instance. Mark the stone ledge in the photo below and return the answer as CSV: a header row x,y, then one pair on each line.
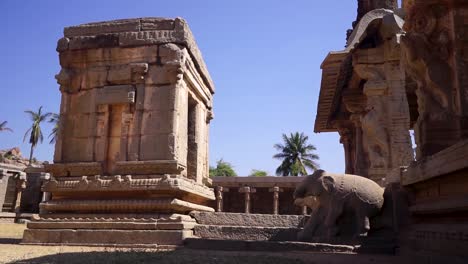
x,y
106,237
236,245
123,205
118,183
240,219
246,233
449,160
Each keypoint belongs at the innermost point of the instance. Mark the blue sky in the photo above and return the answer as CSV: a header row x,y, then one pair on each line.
x,y
264,57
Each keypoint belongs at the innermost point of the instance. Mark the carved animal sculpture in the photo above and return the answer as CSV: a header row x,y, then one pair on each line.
x,y
342,204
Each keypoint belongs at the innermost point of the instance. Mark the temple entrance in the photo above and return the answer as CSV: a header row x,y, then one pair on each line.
x,y
192,146
114,137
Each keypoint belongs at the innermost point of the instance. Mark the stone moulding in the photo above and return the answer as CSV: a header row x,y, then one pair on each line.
x,y
128,183
123,205
74,169
122,167
149,167
449,160
134,32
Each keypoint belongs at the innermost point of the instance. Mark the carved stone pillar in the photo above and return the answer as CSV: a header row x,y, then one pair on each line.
x,y
430,53
347,139
275,190
247,191
360,158
20,186
219,197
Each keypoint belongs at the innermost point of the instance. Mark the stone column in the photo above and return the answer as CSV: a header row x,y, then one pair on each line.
x,y
247,191
45,177
219,197
276,190
20,186
346,138
304,210
433,47
360,155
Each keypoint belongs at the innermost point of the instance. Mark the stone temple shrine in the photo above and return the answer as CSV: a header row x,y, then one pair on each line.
x,y
132,156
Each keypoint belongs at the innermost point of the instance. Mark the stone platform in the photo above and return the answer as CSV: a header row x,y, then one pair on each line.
x,y
127,230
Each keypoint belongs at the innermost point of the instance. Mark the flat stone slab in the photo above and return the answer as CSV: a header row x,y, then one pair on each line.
x,y
238,245
240,219
246,233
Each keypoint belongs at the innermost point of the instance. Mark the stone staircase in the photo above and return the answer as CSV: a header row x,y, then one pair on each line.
x,y
264,232
256,227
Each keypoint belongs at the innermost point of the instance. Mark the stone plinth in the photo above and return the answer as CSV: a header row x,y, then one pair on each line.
x,y
133,136
438,185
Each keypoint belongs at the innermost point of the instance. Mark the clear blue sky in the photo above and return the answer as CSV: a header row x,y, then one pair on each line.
x,y
264,57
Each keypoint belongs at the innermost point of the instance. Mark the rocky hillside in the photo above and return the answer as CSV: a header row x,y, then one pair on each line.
x,y
14,157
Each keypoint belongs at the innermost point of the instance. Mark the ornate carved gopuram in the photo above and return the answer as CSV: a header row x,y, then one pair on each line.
x,y
131,160
363,97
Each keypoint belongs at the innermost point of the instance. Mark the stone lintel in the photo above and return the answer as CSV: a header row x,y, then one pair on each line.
x,y
257,182
449,160
117,94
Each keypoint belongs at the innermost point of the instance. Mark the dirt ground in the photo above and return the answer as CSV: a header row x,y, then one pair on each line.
x,y
12,252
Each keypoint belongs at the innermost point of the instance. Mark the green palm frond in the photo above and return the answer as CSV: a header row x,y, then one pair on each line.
x,y
34,132
296,154
3,127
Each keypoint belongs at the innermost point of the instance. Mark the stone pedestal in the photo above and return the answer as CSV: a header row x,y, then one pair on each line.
x,y
131,159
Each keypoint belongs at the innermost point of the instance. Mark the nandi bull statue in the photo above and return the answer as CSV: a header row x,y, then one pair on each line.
x,y
341,204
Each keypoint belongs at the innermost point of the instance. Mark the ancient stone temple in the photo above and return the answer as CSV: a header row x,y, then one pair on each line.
x,y
435,54
363,97
132,156
406,69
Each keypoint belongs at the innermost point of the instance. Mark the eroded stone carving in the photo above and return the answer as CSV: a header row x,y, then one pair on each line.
x,y
342,204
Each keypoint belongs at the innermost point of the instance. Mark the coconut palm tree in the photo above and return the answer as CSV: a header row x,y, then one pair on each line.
x,y
296,154
3,127
54,119
34,132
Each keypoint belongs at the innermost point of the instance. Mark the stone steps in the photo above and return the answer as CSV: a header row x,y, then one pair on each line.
x,y
386,247
275,246
240,219
262,232
246,233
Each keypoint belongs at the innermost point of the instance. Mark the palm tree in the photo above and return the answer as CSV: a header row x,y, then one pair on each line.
x,y
3,127
296,154
34,132
54,119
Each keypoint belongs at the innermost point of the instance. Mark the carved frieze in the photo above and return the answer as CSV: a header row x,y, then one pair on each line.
x,y
125,183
